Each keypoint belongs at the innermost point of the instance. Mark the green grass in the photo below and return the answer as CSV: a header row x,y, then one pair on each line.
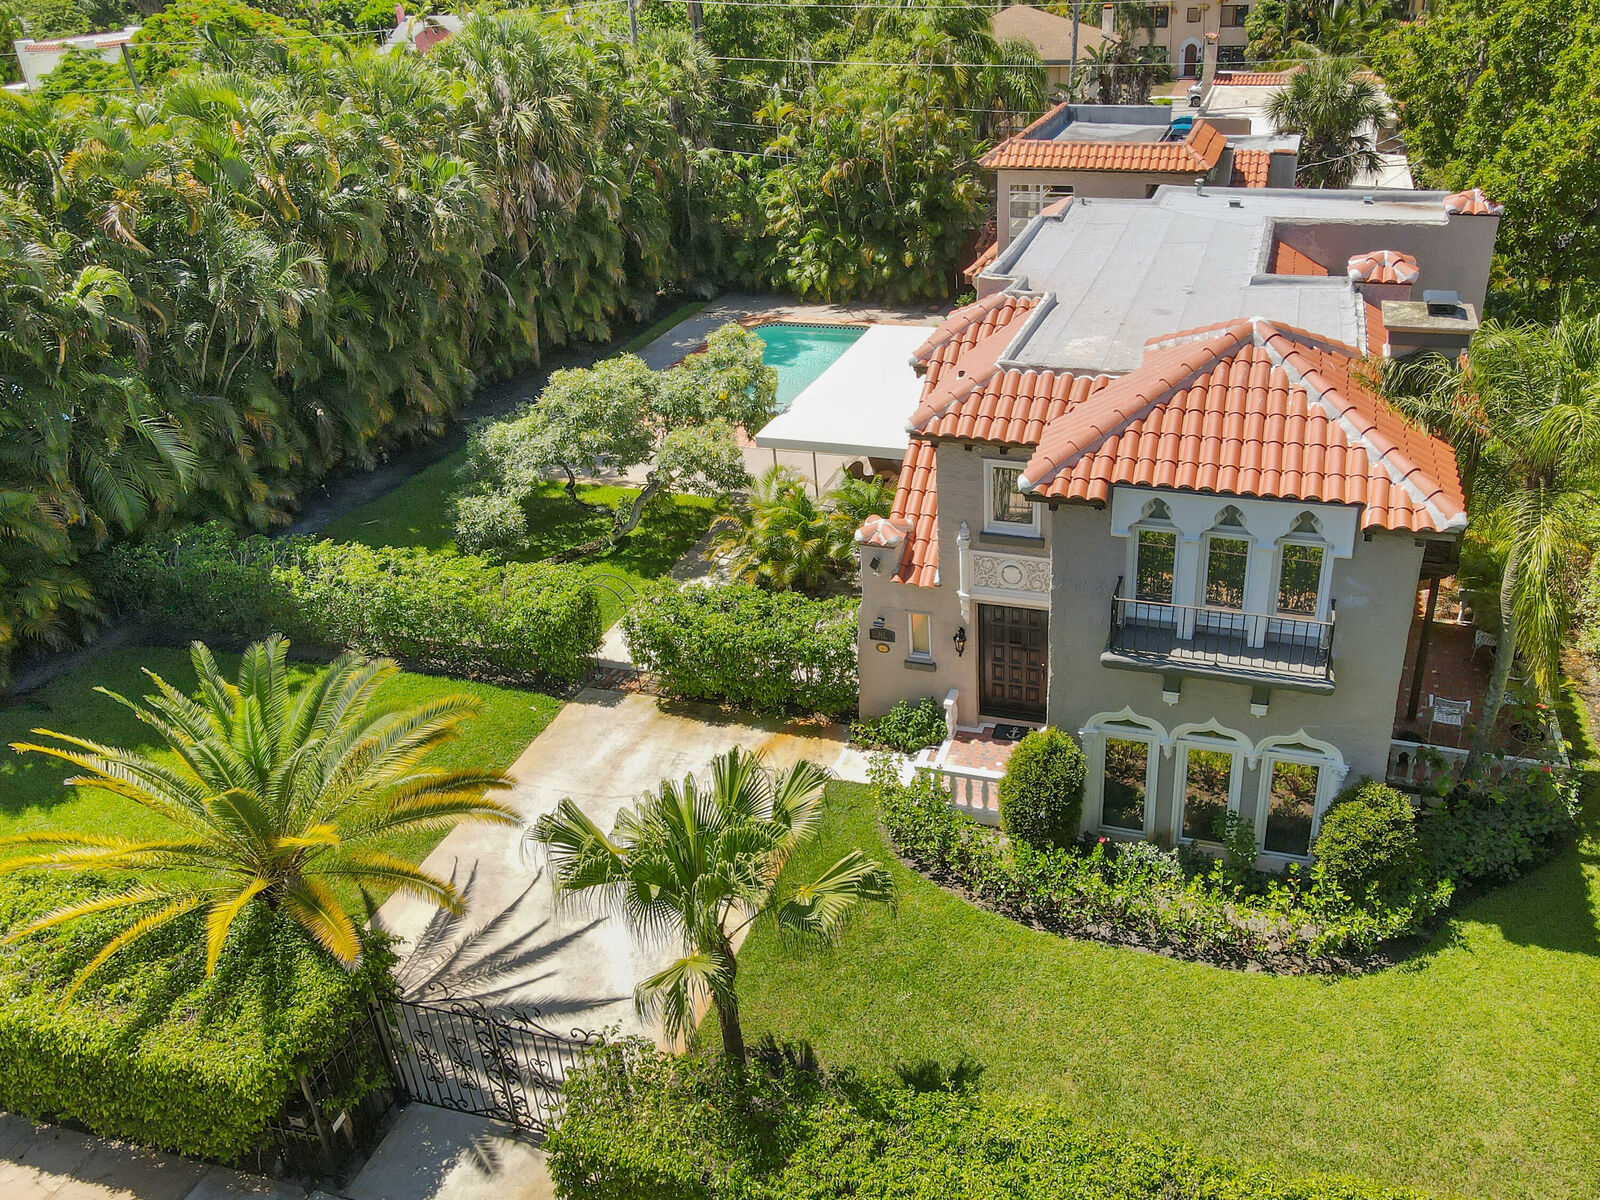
x,y
1469,1070
416,514
33,796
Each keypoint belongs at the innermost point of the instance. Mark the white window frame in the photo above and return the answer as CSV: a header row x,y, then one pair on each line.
x,y
1128,726
1226,533
1209,736
1297,748
1035,198
924,655
1324,580
1130,575
1006,528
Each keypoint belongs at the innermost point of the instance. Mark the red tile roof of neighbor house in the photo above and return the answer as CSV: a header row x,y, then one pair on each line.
x,y
1252,408
1472,203
1196,154
1250,168
1383,266
1252,78
975,268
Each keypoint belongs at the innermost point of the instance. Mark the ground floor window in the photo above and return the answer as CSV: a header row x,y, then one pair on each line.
x,y
921,631
1207,792
1124,794
1292,789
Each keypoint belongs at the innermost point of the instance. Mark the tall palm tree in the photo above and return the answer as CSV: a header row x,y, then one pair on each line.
x,y
1336,110
1522,409
271,798
699,862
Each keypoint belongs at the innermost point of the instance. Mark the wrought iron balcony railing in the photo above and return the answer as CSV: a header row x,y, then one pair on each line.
x,y
1219,641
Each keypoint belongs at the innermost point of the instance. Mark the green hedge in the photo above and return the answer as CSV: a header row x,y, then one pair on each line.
x,y
453,612
640,1126
151,1050
735,644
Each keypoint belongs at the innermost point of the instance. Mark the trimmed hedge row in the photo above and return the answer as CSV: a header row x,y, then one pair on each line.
x,y
638,1126
153,1051
739,645
454,612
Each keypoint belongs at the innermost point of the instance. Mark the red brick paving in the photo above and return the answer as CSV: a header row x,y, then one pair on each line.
x,y
978,748
1454,672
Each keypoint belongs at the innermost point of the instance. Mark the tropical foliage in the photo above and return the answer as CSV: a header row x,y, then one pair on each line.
x,y
613,417
1336,109
272,801
1501,96
697,863
781,536
1522,409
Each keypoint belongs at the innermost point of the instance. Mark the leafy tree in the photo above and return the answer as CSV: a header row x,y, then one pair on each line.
x,y
80,71
1500,96
618,415
1125,69
223,33
698,862
1267,28
270,799
1336,111
1522,409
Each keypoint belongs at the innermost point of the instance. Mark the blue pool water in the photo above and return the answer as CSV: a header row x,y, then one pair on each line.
x,y
801,353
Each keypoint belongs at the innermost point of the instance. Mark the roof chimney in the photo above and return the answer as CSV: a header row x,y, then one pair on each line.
x,y
399,16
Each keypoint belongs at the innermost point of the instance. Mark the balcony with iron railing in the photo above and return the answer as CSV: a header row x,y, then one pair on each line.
x,y
1220,643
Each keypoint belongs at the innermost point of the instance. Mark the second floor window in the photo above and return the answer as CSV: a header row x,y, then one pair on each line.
x,y
1163,16
1009,509
1227,564
1026,201
1192,16
1234,15
1158,550
1300,579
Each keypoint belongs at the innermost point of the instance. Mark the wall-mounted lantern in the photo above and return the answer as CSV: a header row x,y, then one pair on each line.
x,y
960,640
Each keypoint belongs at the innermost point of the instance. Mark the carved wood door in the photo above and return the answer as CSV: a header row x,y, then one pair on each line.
x,y
1014,646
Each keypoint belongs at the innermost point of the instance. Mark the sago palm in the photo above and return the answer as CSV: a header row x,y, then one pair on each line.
x,y
1522,409
272,799
699,861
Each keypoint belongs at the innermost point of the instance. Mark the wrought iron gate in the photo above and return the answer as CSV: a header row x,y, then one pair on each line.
x,y
495,1062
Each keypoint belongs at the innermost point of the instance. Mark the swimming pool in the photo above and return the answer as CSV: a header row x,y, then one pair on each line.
x,y
803,352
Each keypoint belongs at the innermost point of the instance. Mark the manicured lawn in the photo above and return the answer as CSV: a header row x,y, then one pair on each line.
x,y
416,514
31,791
1469,1070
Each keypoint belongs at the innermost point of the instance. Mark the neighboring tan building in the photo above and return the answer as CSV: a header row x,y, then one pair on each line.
x,y
1149,499
1050,35
1182,29
38,58
1127,151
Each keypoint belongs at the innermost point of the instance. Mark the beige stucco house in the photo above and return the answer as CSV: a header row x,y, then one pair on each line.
x,y
1149,499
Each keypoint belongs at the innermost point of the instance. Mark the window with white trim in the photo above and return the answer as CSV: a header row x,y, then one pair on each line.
x,y
1302,564
1291,805
1227,561
1124,785
1025,201
1155,555
1009,511
1210,773
919,635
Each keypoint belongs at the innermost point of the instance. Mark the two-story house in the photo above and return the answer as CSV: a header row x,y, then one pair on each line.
x,y
1152,498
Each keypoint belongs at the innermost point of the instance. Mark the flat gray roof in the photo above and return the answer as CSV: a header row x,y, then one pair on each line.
x,y
1120,272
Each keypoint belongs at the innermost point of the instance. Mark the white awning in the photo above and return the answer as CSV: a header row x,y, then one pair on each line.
x,y
859,405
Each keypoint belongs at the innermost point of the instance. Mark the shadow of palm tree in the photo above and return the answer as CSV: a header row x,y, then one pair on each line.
x,y
506,959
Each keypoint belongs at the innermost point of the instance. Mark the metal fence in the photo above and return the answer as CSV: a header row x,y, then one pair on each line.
x,y
1190,635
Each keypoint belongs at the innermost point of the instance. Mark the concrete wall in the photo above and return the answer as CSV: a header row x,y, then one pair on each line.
x,y
1123,185
1455,255
1374,593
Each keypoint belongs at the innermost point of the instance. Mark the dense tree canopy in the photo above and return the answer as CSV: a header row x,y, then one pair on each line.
x,y
1500,94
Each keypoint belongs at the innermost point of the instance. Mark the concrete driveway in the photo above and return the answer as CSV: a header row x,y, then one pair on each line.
x,y
515,946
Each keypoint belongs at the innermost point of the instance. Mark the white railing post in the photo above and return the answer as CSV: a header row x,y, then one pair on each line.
x,y
952,702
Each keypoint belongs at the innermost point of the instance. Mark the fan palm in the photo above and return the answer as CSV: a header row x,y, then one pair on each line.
x,y
699,862
1336,111
1522,409
782,537
272,799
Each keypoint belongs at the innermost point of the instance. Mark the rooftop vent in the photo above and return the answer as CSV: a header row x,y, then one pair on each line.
x,y
1442,303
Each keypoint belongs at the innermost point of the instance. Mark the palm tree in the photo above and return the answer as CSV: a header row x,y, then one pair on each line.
x,y
854,500
782,537
1336,111
271,800
700,862
1522,409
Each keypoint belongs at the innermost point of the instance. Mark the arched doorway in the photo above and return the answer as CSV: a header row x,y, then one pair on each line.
x,y
1191,60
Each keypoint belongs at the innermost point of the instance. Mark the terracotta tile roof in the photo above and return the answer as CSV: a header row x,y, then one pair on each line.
x,y
1250,168
1196,154
1252,408
962,360
1012,407
1472,203
965,328
882,531
1384,266
1286,260
975,268
1377,332
916,510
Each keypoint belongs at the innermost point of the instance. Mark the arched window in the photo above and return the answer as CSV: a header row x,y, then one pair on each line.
x,y
1210,773
1155,554
1123,755
1302,569
1299,777
1227,561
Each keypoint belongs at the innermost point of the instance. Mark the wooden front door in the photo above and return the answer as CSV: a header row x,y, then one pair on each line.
x,y
1014,646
